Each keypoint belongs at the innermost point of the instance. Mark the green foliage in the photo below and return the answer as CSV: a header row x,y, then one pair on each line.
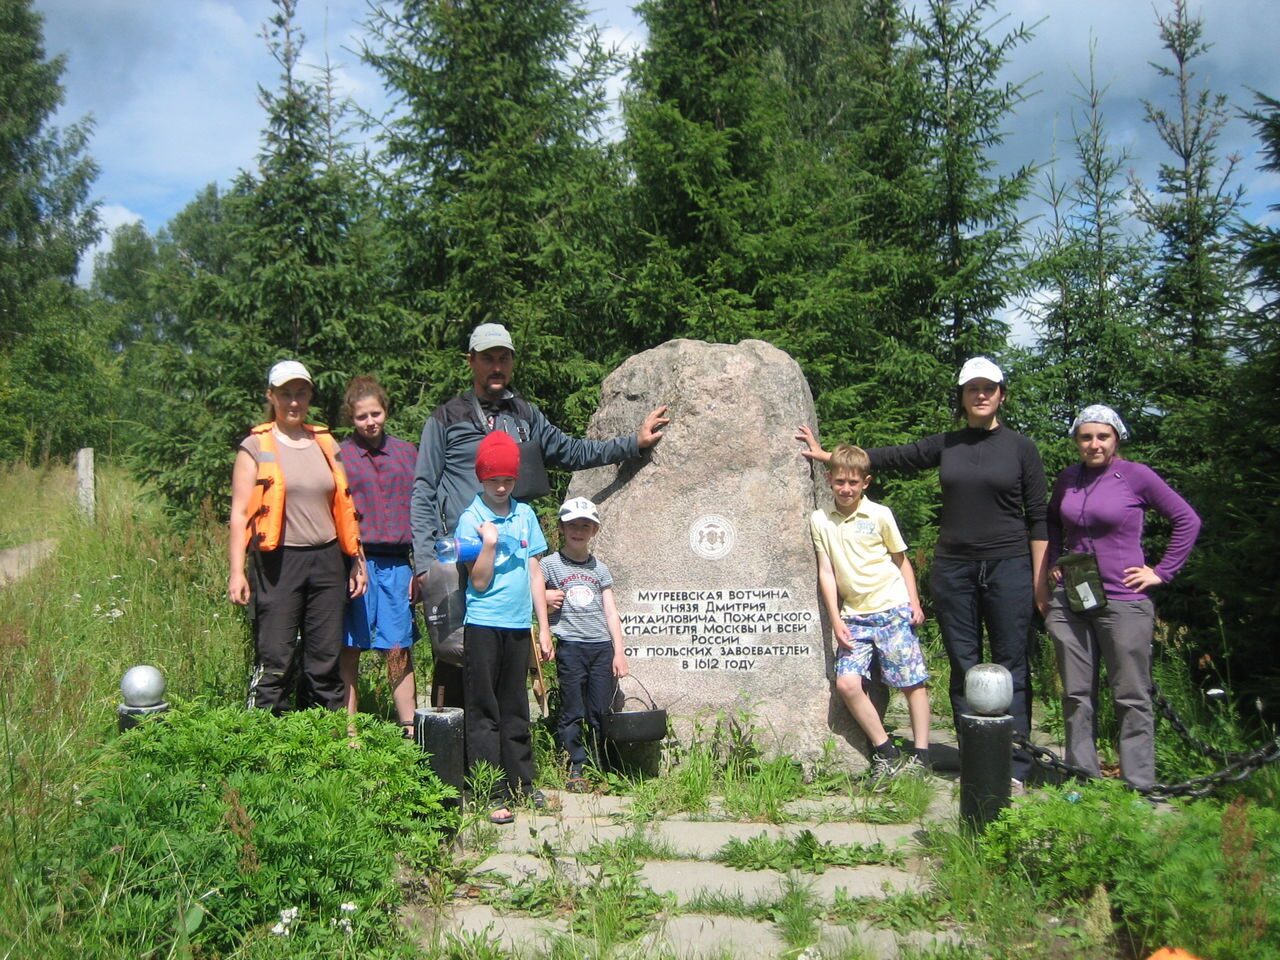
x,y
230,819
290,263
803,852
56,388
501,197
46,220
1202,876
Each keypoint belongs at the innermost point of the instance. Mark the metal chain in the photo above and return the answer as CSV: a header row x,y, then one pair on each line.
x,y
1208,749
1239,769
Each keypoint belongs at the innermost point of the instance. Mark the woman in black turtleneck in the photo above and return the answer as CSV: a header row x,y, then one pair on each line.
x,y
992,536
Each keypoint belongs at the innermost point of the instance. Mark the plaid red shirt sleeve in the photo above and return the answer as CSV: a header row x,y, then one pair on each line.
x,y
381,482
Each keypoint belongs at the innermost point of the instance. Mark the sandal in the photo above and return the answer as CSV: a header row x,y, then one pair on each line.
x,y
538,800
501,815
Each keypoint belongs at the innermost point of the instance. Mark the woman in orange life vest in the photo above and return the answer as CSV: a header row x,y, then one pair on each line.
x,y
295,547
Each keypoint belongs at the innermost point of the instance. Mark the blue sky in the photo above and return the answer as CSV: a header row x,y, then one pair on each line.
x,y
172,84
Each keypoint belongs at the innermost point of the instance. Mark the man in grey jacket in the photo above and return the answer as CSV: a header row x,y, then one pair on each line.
x,y
445,481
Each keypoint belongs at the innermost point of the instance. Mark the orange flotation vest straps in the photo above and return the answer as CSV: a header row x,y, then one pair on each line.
x,y
266,503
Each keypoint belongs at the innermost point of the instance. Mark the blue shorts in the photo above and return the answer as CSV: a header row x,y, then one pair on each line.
x,y
382,619
888,635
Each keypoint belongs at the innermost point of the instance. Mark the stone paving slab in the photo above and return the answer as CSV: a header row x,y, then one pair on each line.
x,y
688,878
584,806
871,880
694,936
519,867
567,836
516,933
701,840
704,840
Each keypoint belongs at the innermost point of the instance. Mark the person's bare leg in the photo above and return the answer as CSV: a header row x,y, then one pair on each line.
x,y
349,670
918,710
404,691
860,705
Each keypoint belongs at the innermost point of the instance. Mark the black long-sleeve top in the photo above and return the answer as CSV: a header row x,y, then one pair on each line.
x,y
993,489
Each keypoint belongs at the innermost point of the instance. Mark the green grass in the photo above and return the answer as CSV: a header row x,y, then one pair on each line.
x,y
803,852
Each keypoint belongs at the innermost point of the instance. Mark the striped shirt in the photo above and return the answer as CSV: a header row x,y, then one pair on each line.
x,y
581,619
381,482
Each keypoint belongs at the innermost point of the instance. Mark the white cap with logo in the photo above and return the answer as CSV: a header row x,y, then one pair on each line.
x,y
579,508
979,368
287,370
490,335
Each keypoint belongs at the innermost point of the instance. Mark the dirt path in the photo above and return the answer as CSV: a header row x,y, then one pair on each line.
x,y
17,562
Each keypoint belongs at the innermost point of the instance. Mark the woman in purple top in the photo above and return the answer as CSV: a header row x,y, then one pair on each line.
x,y
380,472
1097,507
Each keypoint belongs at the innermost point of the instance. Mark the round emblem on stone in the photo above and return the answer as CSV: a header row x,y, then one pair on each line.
x,y
711,536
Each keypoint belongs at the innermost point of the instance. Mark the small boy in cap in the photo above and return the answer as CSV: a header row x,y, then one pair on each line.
x,y
503,590
591,653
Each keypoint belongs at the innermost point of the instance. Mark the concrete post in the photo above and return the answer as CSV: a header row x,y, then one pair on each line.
x,y
84,483
986,745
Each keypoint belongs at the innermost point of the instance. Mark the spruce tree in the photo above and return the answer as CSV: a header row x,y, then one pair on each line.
x,y
1193,214
1089,276
55,383
46,220
288,264
501,194
971,208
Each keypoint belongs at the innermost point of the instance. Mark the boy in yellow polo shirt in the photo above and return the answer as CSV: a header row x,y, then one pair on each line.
x,y
869,592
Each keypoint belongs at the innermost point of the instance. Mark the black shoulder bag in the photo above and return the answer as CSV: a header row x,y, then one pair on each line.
x,y
531,482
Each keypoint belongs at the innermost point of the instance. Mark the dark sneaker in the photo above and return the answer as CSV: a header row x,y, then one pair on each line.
x,y
882,767
911,765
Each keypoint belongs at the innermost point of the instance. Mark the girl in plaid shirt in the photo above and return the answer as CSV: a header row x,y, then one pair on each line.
x,y
380,472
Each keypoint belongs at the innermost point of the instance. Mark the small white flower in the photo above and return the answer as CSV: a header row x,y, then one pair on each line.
x,y
115,576
115,613
348,908
97,608
280,930
76,597
289,915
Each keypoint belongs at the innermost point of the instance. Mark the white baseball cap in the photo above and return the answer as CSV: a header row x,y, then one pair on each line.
x,y
579,508
287,370
490,335
979,368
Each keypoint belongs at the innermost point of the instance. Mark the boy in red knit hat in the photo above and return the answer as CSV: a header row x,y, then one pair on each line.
x,y
503,591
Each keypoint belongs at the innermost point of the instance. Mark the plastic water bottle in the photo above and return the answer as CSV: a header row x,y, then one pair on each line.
x,y
466,549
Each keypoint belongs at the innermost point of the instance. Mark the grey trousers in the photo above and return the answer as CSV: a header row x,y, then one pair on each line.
x,y
1121,631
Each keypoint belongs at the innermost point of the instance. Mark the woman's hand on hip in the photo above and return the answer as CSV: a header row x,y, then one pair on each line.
x,y
1141,578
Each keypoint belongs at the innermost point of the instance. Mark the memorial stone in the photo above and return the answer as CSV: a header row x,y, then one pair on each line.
x,y
708,541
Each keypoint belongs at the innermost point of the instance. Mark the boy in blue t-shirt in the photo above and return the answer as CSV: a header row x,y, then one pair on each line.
x,y
501,594
591,653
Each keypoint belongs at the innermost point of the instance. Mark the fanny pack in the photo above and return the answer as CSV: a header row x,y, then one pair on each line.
x,y
1082,581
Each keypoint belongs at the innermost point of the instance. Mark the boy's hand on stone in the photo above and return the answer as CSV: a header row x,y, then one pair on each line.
x,y
813,449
